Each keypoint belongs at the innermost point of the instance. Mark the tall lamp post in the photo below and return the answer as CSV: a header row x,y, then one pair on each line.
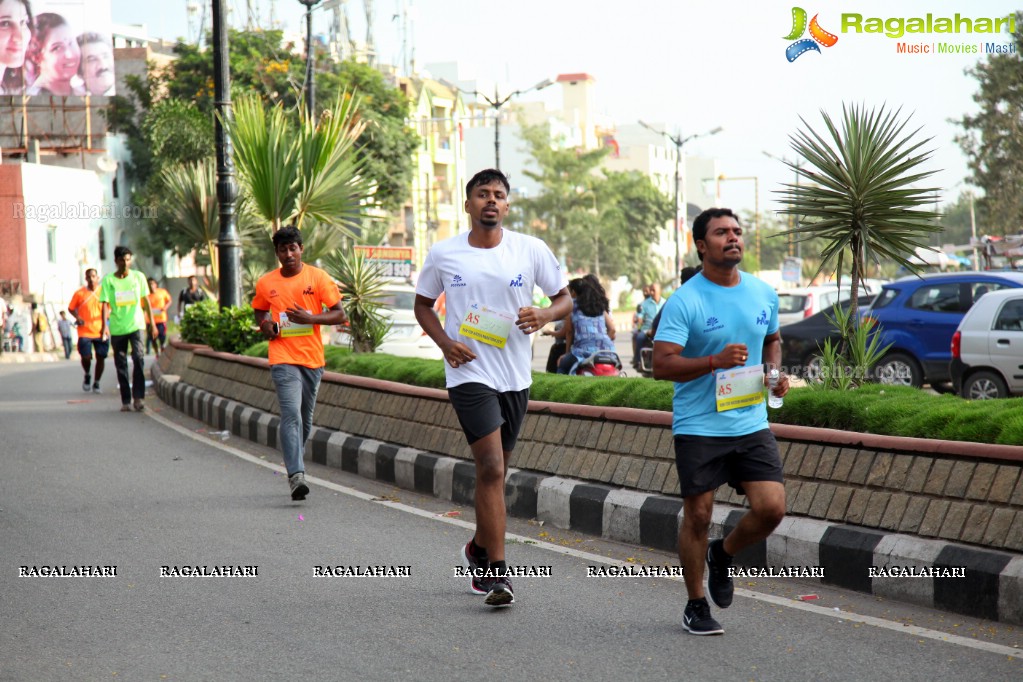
x,y
228,244
497,102
679,142
756,205
310,58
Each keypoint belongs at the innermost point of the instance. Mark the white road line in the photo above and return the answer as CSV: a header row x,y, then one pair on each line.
x,y
901,628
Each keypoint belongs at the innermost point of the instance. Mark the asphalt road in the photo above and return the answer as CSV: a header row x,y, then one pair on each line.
x,y
84,484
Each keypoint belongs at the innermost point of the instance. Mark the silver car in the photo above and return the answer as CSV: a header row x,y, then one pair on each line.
x,y
987,347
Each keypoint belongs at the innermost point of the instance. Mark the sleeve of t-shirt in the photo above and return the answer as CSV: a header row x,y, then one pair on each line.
x,y
104,291
73,305
674,325
548,276
430,284
259,301
329,294
772,325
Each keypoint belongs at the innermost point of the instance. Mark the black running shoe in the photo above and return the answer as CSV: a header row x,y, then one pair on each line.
x,y
477,585
719,583
86,385
500,593
697,619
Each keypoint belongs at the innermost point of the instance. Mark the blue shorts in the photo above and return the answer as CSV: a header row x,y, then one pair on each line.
x,y
85,347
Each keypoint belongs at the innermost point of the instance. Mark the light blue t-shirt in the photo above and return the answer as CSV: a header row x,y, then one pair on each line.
x,y
703,318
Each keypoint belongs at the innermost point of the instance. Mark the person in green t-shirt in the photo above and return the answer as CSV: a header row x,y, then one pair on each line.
x,y
124,297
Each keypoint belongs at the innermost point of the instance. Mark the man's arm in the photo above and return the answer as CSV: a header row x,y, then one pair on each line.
x,y
104,315
533,319
671,366
455,352
265,323
335,314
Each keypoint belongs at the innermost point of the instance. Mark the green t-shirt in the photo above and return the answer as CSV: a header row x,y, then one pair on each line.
x,y
125,298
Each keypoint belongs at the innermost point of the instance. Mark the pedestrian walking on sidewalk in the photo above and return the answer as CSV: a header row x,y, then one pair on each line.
x,y
715,333
123,295
64,328
159,299
290,305
40,325
87,310
487,276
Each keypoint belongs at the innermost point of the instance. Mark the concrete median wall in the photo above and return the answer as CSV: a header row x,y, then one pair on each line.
x,y
854,500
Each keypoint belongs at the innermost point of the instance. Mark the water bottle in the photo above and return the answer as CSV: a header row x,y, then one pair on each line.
x,y
773,401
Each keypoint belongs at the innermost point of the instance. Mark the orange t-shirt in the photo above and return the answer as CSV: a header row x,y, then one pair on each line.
x,y
86,303
312,290
158,302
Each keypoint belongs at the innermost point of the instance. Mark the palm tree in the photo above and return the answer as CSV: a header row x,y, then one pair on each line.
x,y
309,175
858,192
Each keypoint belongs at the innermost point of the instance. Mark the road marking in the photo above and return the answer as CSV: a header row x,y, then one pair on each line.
x,y
913,630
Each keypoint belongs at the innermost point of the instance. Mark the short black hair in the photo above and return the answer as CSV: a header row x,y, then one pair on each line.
x,y
287,235
121,252
688,272
153,280
702,220
486,177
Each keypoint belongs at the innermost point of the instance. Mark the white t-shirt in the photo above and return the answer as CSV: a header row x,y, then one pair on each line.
x,y
500,279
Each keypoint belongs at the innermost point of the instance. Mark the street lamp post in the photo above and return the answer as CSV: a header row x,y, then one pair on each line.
x,y
679,141
310,58
228,244
756,206
497,102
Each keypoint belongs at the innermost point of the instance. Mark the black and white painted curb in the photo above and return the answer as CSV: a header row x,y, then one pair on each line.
x,y
992,588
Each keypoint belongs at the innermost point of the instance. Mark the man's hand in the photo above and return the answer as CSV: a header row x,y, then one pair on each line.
x,y
266,326
532,319
457,354
734,355
300,316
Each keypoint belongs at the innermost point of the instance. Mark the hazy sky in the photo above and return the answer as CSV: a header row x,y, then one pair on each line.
x,y
689,65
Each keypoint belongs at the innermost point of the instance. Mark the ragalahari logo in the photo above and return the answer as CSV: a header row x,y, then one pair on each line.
x,y
817,35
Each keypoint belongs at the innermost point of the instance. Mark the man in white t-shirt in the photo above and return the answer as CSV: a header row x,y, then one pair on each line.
x,y
487,276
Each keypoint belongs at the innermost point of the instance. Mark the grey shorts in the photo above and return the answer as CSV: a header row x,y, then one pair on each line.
x,y
708,462
482,410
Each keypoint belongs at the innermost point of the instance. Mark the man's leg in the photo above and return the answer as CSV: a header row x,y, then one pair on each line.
x,y
697,511
85,356
289,396
767,509
138,361
310,387
161,329
120,345
490,509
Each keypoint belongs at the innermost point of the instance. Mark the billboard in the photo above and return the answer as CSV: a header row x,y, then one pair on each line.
x,y
56,48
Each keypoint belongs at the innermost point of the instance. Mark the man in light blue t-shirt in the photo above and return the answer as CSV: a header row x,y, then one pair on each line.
x,y
715,333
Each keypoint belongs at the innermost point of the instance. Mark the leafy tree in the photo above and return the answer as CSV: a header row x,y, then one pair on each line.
x,y
993,138
601,221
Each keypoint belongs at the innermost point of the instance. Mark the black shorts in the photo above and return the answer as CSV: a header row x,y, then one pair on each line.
x,y
85,347
481,410
707,462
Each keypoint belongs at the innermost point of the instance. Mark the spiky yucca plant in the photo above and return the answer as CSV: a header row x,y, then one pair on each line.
x,y
859,191
362,285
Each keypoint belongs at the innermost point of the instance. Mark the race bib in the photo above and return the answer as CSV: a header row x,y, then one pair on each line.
x,y
122,298
739,387
291,328
158,311
486,325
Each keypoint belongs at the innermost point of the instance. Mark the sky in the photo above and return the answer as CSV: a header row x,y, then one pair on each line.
x,y
688,66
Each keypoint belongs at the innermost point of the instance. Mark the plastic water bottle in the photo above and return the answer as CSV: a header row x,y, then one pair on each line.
x,y
773,401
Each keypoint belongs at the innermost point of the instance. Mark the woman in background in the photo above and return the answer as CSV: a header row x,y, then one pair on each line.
x,y
56,56
15,36
590,327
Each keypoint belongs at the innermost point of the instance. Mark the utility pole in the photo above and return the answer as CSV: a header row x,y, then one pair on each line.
x,y
228,244
310,58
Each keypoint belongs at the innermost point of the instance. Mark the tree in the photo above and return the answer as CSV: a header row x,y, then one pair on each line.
x,y
600,221
307,175
993,138
859,193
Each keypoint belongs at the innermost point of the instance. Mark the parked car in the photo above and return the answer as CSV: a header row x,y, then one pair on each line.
x,y
406,338
919,315
987,347
801,342
798,304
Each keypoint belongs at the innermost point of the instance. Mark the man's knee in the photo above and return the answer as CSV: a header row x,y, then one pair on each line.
x,y
769,510
490,470
697,517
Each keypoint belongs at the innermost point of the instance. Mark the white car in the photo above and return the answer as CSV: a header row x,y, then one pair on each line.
x,y
987,347
797,304
406,338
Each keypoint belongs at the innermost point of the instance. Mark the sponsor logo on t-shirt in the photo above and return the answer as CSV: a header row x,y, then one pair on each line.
x,y
713,324
308,291
517,282
762,318
456,281
273,293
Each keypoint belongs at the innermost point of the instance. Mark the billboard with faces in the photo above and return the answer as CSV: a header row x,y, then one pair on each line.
x,y
56,48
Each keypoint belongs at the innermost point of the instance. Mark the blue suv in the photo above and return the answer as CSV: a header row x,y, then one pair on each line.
x,y
919,315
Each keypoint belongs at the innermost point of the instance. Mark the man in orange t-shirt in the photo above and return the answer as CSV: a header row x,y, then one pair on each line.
x,y
290,305
159,299
87,310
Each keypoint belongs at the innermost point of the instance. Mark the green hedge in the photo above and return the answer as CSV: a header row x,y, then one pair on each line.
x,y
886,410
